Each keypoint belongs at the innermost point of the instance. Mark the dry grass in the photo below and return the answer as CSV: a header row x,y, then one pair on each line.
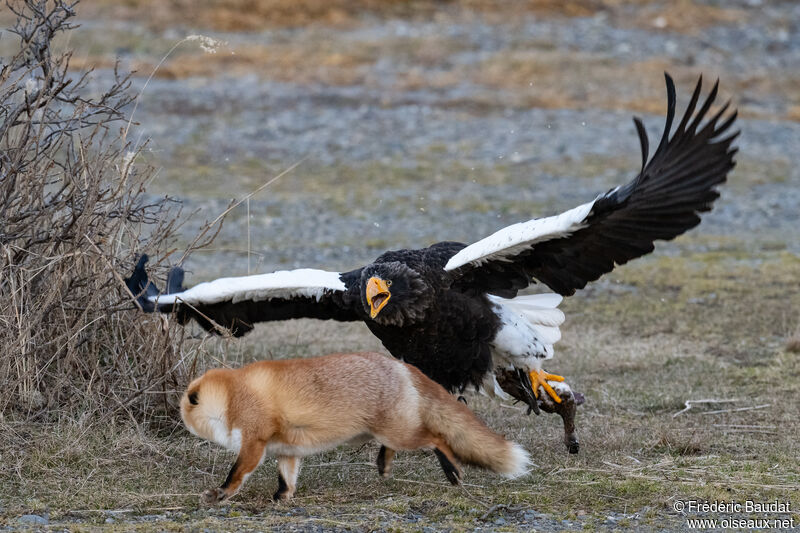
x,y
249,15
546,79
793,342
684,16
73,213
639,345
539,78
303,65
529,77
531,74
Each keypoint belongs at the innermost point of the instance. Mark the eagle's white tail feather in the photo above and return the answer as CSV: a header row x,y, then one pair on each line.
x,y
549,300
547,334
542,317
543,321
539,309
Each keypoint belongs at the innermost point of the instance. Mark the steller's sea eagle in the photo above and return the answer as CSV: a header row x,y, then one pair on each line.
x,y
452,309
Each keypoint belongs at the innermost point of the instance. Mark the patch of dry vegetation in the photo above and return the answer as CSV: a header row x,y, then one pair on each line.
x,y
537,78
533,75
659,332
73,209
793,342
683,16
280,62
547,79
249,15
252,15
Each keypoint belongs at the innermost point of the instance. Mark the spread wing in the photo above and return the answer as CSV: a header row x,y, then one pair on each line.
x,y
238,303
567,251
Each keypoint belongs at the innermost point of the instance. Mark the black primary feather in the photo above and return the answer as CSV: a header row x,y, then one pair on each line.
x,y
140,287
663,201
240,317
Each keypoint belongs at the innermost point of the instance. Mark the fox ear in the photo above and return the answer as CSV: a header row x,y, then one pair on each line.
x,y
193,397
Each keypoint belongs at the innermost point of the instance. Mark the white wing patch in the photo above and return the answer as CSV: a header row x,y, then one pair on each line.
x,y
529,328
509,241
282,284
541,312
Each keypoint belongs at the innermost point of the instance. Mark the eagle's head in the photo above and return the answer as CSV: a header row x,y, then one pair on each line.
x,y
394,294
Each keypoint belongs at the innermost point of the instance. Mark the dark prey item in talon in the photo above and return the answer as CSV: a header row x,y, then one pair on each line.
x,y
566,408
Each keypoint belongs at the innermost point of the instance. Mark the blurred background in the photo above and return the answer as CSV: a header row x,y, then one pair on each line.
x,y
423,121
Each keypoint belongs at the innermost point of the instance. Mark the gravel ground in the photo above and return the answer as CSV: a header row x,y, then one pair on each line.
x,y
305,520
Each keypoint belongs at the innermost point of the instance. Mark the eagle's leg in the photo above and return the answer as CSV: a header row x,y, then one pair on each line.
x,y
540,377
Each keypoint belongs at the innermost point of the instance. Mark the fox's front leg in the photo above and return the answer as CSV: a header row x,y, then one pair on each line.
x,y
288,468
250,456
384,461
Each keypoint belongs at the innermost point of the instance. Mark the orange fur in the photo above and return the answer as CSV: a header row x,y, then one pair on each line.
x,y
299,407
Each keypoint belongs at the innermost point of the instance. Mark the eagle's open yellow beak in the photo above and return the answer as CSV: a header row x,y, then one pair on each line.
x,y
377,295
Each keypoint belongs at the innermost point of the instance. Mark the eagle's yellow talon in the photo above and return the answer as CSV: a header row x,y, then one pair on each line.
x,y
540,377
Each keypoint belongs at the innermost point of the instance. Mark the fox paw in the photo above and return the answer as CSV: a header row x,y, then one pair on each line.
x,y
213,496
282,496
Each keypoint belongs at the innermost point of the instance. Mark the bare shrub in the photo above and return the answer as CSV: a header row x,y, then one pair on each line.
x,y
73,213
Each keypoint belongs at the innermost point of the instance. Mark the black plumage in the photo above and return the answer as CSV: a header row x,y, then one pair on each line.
x,y
436,311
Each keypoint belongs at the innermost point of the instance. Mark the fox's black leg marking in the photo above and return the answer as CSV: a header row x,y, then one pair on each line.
x,y
214,496
282,488
384,461
450,470
229,479
248,460
381,461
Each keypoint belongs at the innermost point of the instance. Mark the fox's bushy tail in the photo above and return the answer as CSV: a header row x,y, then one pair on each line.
x,y
470,439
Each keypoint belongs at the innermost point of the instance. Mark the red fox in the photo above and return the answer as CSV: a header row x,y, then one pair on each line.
x,y
299,407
